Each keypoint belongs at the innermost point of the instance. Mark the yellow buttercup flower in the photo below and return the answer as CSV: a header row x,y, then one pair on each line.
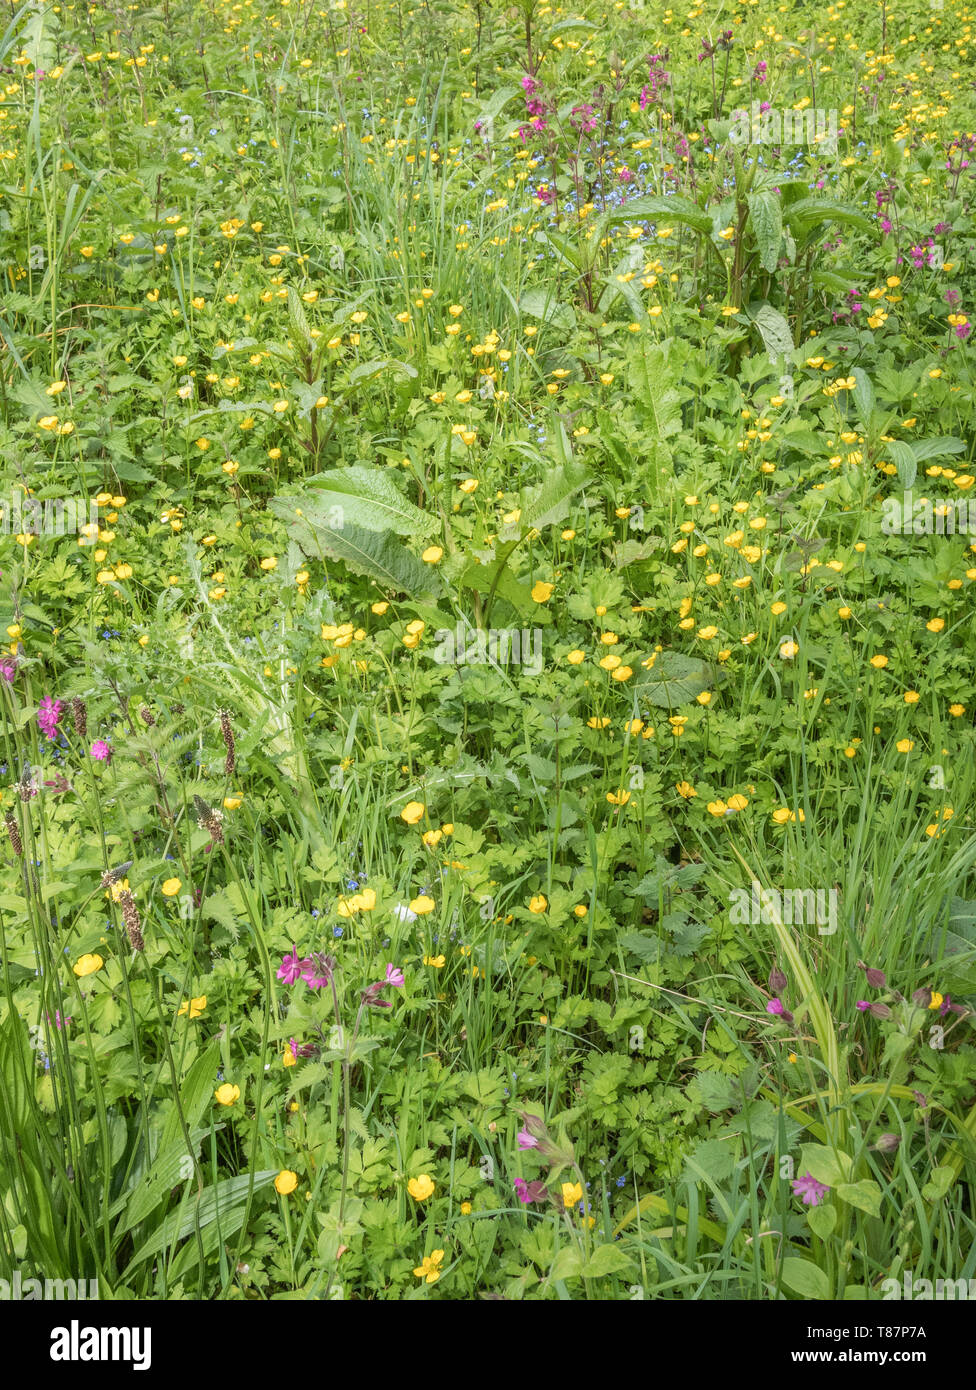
x,y
421,1188
87,965
171,887
194,1007
227,1094
430,1269
413,812
285,1182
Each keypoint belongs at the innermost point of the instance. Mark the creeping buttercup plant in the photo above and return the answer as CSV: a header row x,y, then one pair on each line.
x,y
486,571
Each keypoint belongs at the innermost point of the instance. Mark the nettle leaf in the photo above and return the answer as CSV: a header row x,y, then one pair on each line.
x,y
366,497
674,679
713,1158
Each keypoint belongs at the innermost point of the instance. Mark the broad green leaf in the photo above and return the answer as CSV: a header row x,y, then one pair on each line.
x,y
935,448
865,1195
567,1265
606,1259
366,371
805,1278
674,679
657,209
373,553
366,497
548,502
223,1201
543,304
863,395
822,1219
774,331
824,1164
766,216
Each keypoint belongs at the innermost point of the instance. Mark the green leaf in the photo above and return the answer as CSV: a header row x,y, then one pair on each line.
x,y
940,1181
865,1195
223,1200
375,554
863,395
567,1265
805,1278
766,217
936,448
548,503
774,330
606,1259
652,380
809,212
825,1165
366,371
366,497
822,1219
903,458
542,304
654,209
674,679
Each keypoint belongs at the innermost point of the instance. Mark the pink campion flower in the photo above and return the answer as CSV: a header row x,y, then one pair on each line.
x,y
291,968
775,1006
529,85
809,1190
8,670
317,970
394,976
525,1140
529,1191
863,1005
101,751
48,716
